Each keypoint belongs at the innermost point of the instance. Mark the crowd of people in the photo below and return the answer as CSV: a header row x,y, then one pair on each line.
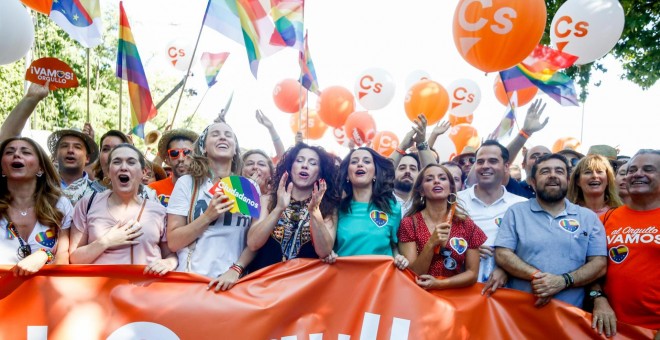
x,y
579,228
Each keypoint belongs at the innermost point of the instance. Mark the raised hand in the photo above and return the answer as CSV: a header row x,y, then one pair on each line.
x,y
263,120
533,119
440,235
38,92
88,130
420,129
284,192
317,194
441,128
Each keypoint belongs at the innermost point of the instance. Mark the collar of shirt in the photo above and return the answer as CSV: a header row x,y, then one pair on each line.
x,y
473,196
569,208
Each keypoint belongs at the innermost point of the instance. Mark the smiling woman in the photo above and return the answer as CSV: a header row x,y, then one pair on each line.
x,y
35,215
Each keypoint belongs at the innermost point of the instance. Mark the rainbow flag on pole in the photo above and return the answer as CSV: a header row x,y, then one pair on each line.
x,y
308,72
505,126
212,63
288,18
129,68
80,18
540,69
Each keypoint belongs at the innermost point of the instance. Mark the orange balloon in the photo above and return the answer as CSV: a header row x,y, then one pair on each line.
x,y
566,142
427,97
496,35
334,105
524,96
41,6
311,126
289,96
453,120
385,142
360,127
464,135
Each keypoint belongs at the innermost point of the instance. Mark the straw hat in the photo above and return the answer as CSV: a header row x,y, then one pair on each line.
x,y
173,134
92,148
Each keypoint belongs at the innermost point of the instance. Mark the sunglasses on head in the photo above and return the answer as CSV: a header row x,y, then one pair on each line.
x,y
464,160
176,153
574,161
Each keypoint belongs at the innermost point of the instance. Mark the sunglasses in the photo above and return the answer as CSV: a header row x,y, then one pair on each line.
x,y
448,261
176,153
615,166
463,161
574,161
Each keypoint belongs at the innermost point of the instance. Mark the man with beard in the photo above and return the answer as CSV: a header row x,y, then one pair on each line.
x,y
175,148
405,175
549,246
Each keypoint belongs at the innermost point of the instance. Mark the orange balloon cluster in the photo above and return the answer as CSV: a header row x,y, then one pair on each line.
x,y
524,96
385,142
496,35
464,135
429,98
566,143
360,127
289,95
311,125
334,105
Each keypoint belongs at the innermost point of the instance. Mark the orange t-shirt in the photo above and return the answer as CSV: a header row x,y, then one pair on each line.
x,y
164,189
632,283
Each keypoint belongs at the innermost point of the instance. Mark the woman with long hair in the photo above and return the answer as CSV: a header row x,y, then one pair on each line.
x,y
437,236
592,185
118,226
35,215
302,209
258,167
369,215
208,239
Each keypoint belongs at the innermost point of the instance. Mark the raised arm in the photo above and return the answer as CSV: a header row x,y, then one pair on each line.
x,y
532,125
277,141
15,122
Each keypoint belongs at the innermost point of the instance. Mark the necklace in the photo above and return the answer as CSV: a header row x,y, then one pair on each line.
x,y
24,213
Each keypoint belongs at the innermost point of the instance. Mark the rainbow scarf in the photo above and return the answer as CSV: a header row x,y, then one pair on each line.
x,y
129,68
212,63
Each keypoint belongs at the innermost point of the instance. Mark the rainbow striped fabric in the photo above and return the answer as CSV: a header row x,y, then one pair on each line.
x,y
212,63
308,72
288,18
540,69
129,68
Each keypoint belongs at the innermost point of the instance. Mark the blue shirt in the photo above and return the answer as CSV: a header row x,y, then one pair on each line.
x,y
554,245
366,230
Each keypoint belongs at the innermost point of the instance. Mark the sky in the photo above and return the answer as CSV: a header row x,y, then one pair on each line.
x,y
349,36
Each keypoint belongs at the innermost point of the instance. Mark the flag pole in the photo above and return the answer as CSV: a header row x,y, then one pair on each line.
x,y
197,108
88,85
121,94
185,79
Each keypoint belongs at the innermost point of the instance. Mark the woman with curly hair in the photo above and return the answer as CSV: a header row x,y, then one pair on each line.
x,y
593,186
208,239
35,215
437,236
300,221
369,215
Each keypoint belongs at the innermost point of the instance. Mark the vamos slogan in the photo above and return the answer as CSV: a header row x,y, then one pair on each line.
x,y
51,70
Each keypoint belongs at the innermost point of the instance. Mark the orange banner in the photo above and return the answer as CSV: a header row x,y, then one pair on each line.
x,y
358,298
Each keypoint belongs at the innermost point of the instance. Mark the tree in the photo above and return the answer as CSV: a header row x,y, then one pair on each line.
x,y
638,49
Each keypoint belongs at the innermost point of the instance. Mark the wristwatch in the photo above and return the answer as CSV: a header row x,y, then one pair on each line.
x,y
596,294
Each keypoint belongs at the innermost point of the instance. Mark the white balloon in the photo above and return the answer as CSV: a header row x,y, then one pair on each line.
x,y
445,147
179,53
587,29
416,76
464,97
16,31
374,88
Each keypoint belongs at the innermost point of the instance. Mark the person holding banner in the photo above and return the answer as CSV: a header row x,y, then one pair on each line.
x,y
208,239
118,226
437,236
369,215
302,209
35,215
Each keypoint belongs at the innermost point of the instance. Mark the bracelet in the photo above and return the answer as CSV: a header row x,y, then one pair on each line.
x,y
401,152
51,257
237,268
523,134
534,273
567,281
276,139
571,282
422,146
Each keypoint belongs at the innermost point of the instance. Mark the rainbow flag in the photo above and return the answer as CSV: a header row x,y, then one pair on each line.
x,y
505,126
260,37
212,63
288,18
308,72
129,68
540,69
81,19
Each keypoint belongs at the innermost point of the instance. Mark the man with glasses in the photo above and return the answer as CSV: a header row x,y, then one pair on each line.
x,y
549,246
572,156
466,160
175,148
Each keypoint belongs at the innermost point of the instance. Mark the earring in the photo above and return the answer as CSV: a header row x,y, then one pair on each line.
x,y
374,179
3,175
422,199
451,199
347,180
39,174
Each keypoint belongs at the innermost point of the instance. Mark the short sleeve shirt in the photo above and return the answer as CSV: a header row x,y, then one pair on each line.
x,y
365,230
554,245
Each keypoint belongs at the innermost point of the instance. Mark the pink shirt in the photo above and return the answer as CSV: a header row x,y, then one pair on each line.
x,y
98,221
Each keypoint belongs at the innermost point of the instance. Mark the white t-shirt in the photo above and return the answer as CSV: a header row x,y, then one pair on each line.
x,y
41,236
221,244
488,218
